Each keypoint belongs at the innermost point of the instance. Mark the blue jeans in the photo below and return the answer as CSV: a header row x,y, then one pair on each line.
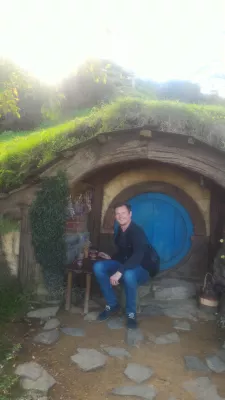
x,y
131,278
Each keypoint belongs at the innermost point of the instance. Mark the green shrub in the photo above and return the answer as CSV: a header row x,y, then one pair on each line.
x,y
48,217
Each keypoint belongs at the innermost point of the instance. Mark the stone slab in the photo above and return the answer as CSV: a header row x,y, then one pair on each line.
x,y
202,388
91,316
115,323
89,359
34,377
134,337
195,364
138,373
48,337
73,331
31,370
43,313
168,338
215,364
117,352
152,310
76,310
173,289
52,323
221,354
181,325
146,392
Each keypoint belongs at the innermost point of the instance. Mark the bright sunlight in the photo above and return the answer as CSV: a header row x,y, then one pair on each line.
x,y
157,39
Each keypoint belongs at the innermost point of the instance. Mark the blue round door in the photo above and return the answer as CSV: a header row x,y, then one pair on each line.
x,y
167,225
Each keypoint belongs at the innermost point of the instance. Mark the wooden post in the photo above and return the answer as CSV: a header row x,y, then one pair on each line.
x,y
27,262
87,293
95,216
69,290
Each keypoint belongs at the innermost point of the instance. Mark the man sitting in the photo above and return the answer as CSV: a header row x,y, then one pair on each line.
x,y
133,264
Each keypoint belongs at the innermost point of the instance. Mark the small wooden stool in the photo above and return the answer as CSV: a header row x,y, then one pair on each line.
x,y
87,269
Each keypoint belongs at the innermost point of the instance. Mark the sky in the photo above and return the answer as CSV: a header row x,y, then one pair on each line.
x,y
157,39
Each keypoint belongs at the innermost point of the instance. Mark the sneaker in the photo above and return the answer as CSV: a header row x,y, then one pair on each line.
x,y
131,321
108,312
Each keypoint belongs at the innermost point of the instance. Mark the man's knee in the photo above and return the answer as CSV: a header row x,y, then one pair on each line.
x,y
99,268
129,278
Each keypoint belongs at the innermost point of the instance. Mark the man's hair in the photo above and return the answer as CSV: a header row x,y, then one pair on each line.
x,y
128,206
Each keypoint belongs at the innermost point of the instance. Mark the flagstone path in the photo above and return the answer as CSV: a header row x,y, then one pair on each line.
x,y
170,357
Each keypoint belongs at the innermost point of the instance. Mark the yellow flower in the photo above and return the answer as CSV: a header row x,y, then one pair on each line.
x,y
221,240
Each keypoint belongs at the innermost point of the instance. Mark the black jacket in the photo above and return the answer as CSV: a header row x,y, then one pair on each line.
x,y
133,249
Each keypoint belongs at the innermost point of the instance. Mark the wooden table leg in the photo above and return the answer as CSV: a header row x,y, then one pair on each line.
x,y
87,293
69,290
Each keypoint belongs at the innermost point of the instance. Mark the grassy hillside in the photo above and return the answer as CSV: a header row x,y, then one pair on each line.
x,y
26,152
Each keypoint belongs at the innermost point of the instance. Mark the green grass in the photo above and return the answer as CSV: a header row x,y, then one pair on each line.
x,y
12,304
22,155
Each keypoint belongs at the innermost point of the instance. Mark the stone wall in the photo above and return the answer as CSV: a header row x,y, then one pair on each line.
x,y
174,176
10,244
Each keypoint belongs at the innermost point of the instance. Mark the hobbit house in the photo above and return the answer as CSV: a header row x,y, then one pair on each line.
x,y
174,182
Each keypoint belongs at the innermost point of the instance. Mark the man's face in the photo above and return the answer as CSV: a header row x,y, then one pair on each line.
x,y
123,215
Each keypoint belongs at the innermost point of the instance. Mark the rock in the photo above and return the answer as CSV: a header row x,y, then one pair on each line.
x,y
34,377
146,392
221,354
76,310
215,364
89,359
138,373
91,316
51,324
202,388
73,331
153,310
186,309
34,395
173,289
182,325
115,323
134,337
206,316
146,300
195,364
144,290
43,313
168,338
117,352
30,370
48,337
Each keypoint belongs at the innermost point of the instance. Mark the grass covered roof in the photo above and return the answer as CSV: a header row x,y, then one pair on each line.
x,y
26,152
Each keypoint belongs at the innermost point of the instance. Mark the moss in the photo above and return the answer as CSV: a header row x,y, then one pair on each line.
x,y
21,155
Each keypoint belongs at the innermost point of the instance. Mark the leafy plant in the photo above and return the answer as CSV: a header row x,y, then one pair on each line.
x,y
48,217
12,300
8,225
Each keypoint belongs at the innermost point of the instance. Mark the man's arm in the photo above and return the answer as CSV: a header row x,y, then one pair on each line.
x,y
139,244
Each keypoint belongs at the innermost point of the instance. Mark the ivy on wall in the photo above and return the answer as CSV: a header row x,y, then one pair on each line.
x,y
48,218
8,225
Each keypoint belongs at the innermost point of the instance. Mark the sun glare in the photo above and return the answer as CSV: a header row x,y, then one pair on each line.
x,y
157,39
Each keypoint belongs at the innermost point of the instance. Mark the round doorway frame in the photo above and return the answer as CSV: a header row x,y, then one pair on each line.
x,y
165,188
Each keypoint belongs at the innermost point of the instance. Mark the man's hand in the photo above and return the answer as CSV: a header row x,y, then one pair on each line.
x,y
114,279
104,255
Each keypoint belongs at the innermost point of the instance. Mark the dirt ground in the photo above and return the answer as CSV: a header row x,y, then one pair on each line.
x,y
166,360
